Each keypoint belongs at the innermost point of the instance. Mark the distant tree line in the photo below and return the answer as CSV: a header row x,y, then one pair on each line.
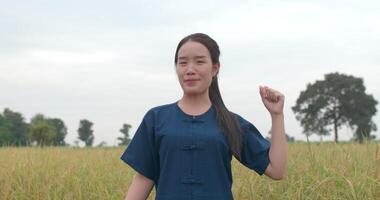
x,y
44,131
322,108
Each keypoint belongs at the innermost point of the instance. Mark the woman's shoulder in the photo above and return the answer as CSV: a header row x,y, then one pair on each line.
x,y
238,117
162,107
244,123
160,110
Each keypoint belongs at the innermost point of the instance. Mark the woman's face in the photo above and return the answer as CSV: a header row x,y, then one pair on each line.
x,y
194,68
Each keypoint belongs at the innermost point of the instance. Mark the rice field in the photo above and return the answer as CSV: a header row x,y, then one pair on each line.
x,y
315,171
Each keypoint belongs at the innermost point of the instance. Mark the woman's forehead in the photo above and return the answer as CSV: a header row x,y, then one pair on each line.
x,y
192,49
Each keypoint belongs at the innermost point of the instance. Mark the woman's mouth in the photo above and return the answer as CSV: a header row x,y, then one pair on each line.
x,y
191,81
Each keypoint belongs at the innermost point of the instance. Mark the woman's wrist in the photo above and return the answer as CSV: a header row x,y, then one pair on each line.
x,y
277,115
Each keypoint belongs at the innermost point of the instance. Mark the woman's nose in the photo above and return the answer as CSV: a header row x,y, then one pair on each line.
x,y
190,68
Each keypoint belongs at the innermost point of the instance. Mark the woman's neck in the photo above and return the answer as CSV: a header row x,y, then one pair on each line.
x,y
195,104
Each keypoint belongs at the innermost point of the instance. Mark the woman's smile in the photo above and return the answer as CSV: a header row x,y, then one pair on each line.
x,y
191,81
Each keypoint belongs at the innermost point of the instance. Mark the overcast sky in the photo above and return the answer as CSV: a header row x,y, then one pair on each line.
x,y
111,61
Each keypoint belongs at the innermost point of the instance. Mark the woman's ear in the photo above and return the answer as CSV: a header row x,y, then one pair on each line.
x,y
215,69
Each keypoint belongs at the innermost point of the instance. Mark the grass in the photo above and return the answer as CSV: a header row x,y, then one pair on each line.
x,y
315,171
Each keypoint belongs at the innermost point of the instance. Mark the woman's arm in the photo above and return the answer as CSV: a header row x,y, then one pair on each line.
x,y
278,152
140,188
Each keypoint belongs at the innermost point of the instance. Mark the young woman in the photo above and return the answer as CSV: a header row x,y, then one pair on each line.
x,y
185,148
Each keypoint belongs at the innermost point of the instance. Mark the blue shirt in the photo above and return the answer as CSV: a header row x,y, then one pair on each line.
x,y
188,157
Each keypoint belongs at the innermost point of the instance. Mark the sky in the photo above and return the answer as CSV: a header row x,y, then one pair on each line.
x,y
111,61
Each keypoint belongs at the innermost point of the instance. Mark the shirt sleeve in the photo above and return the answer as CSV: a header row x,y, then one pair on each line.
x,y
255,150
141,153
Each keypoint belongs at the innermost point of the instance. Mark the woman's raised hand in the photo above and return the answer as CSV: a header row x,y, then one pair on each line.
x,y
272,99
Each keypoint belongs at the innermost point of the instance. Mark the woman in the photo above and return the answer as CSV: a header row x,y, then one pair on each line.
x,y
185,148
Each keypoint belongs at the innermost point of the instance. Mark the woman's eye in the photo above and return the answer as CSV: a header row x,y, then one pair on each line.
x,y
182,63
200,62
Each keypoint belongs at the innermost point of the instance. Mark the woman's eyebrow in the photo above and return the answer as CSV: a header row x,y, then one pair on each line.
x,y
196,57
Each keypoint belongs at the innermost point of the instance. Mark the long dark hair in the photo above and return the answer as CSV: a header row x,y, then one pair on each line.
x,y
226,119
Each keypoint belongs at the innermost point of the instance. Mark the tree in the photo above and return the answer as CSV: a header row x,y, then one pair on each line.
x,y
362,132
102,144
85,132
39,117
125,131
5,134
60,130
42,133
56,125
338,100
14,130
